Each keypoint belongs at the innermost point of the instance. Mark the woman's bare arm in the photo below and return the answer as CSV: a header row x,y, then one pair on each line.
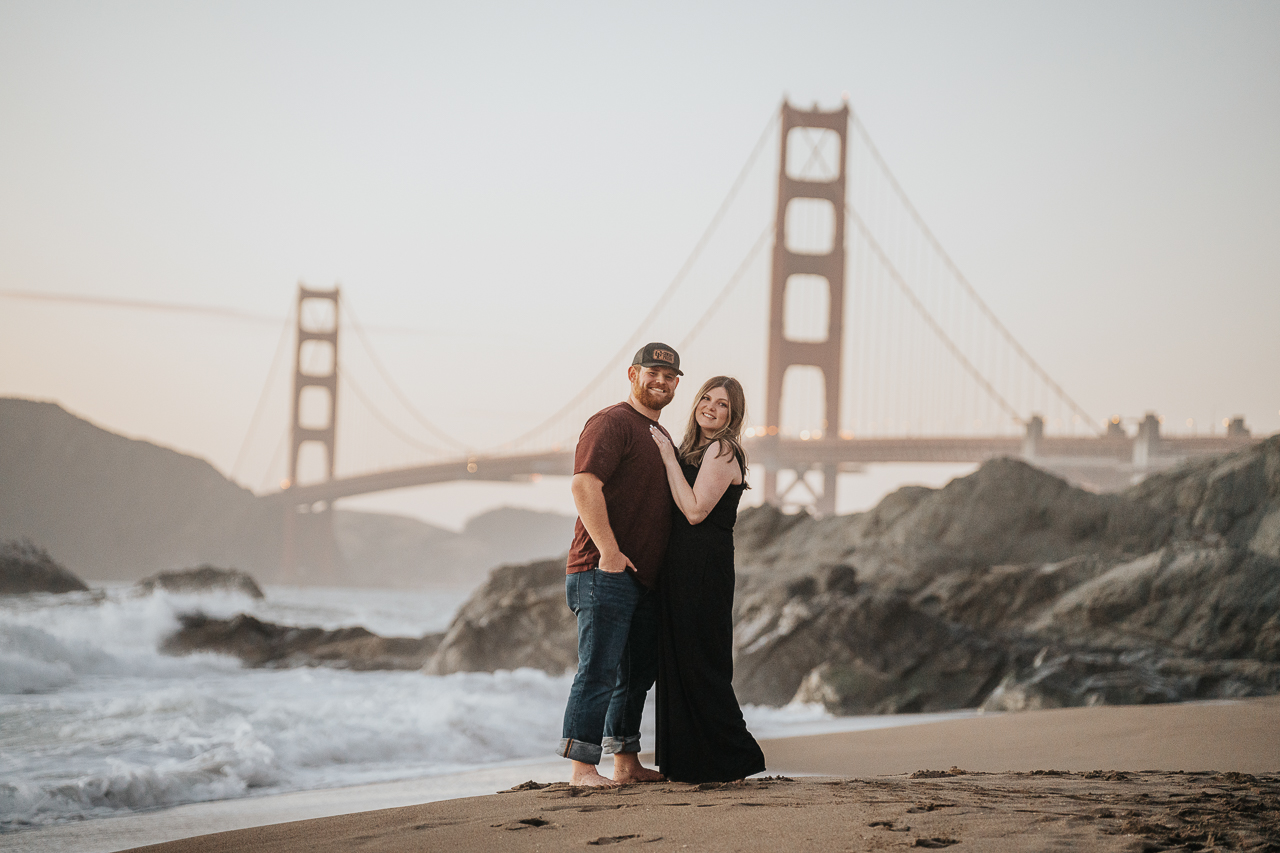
x,y
714,477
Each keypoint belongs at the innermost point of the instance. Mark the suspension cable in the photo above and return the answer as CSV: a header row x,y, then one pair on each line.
x,y
680,275
929,318
266,387
728,288
265,483
344,376
395,389
964,282
139,305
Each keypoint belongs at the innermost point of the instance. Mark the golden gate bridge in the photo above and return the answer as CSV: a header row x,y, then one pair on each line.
x,y
877,349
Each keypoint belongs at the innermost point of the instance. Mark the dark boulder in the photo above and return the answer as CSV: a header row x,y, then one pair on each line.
x,y
1230,497
1168,592
1008,512
1003,598
1060,678
864,652
25,567
518,618
1209,602
204,578
264,644
1005,513
758,526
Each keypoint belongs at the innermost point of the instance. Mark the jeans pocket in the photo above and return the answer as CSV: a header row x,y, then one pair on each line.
x,y
574,591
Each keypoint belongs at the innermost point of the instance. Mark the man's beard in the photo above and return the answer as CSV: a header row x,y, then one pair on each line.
x,y
650,399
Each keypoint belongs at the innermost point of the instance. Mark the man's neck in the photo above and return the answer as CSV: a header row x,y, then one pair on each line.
x,y
651,414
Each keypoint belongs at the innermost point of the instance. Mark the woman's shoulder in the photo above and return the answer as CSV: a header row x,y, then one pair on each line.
x,y
725,449
715,450
732,459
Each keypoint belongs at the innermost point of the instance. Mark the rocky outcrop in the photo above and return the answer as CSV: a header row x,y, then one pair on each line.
x,y
1233,498
1007,589
518,618
1209,602
204,578
864,652
1058,678
263,644
1005,513
25,567
119,509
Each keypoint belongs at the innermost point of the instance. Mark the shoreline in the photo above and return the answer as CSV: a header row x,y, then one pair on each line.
x,y
998,812
1237,736
186,819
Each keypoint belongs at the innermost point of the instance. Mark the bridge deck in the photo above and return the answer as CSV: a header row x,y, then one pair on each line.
x,y
784,453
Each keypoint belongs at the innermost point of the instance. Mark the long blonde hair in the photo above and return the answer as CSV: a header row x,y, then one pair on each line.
x,y
730,435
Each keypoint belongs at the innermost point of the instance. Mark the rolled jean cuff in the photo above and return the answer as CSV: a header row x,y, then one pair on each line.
x,y
576,750
630,743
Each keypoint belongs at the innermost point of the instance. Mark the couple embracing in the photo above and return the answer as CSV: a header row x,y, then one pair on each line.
x,y
650,579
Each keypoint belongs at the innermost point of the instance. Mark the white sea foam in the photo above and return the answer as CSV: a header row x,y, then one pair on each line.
x,y
389,612
94,721
47,642
134,743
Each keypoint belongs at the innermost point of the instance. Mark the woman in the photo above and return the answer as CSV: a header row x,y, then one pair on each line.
x,y
701,734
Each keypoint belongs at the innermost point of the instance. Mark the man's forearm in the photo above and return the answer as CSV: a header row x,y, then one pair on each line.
x,y
588,498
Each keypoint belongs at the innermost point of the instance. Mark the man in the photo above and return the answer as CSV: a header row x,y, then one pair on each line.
x,y
624,518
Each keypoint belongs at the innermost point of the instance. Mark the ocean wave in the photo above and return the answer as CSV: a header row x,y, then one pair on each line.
x,y
221,773
140,743
20,673
54,649
48,642
95,721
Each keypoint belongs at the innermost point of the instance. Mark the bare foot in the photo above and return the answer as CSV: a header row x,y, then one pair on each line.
x,y
627,768
586,776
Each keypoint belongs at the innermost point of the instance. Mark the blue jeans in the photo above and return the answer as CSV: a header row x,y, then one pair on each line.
x,y
618,624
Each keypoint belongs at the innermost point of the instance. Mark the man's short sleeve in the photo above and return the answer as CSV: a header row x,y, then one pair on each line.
x,y
601,446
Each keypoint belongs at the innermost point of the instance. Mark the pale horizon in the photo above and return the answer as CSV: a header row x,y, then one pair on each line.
x,y
503,192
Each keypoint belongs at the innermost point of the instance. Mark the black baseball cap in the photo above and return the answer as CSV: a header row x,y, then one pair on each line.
x,y
658,355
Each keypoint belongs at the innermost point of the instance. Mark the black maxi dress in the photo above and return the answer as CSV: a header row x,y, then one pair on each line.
x,y
701,735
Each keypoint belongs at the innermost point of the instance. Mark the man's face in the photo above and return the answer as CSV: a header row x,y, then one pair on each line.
x,y
653,387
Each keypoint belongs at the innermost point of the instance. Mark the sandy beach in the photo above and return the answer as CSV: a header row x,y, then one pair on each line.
x,y
1003,811
1194,776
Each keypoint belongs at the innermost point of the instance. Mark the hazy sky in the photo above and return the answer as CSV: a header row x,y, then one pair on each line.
x,y
503,189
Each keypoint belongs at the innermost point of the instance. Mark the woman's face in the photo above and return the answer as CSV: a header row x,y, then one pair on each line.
x,y
713,412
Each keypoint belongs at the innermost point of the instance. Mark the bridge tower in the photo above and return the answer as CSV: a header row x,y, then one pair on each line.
x,y
785,352
310,548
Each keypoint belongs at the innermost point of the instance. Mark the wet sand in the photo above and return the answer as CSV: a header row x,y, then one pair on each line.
x,y
1115,810
1196,776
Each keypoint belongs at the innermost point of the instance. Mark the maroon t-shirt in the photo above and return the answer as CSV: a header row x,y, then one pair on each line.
x,y
616,446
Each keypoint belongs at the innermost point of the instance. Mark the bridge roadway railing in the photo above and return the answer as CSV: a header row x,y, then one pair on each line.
x,y
476,468
1108,450
793,454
